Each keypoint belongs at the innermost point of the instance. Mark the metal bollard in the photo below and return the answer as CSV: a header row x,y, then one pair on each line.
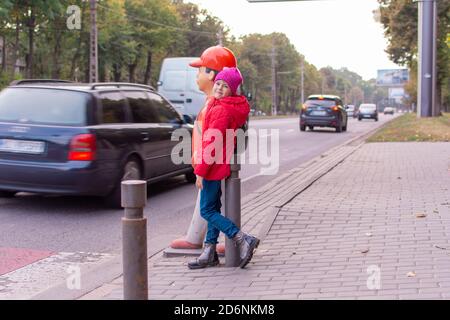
x,y
134,240
233,212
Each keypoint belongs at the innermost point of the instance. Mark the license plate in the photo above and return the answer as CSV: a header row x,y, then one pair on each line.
x,y
22,146
318,113
367,116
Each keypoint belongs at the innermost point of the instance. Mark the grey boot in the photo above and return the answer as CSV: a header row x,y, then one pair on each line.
x,y
247,244
208,258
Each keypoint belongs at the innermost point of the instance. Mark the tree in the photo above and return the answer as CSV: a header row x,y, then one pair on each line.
x,y
154,27
399,19
201,29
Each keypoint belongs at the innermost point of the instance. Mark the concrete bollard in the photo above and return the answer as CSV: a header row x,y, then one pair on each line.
x,y
134,240
233,212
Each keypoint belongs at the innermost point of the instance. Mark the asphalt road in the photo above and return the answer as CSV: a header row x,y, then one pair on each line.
x,y
72,224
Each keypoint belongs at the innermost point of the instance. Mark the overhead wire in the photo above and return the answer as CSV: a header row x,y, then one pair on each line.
x,y
161,24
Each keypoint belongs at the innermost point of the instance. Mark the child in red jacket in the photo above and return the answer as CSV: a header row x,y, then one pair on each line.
x,y
224,112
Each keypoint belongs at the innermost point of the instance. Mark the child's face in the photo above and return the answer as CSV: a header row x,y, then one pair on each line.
x,y
221,89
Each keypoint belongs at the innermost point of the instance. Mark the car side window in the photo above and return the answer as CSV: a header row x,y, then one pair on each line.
x,y
166,112
113,108
141,109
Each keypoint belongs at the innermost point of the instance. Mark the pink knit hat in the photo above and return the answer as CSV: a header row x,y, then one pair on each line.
x,y
232,76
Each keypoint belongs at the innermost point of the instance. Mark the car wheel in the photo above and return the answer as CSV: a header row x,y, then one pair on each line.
x,y
302,127
311,128
376,119
7,194
359,119
131,171
191,177
344,128
339,127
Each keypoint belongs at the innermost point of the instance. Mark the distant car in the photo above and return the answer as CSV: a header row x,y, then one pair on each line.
x,y
84,139
323,111
368,111
388,110
351,112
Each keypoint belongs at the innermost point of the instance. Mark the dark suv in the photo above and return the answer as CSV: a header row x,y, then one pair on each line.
x,y
84,139
323,111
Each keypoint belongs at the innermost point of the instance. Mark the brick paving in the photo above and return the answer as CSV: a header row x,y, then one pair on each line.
x,y
376,226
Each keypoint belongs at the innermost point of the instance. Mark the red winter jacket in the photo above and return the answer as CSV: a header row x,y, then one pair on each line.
x,y
222,114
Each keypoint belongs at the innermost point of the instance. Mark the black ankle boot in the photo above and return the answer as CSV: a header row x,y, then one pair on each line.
x,y
208,258
247,244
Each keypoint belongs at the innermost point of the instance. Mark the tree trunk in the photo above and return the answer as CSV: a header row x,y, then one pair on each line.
x,y
15,49
438,100
3,53
132,72
31,25
148,68
56,70
75,59
117,72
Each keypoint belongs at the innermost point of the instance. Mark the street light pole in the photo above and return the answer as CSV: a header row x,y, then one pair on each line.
x,y
426,78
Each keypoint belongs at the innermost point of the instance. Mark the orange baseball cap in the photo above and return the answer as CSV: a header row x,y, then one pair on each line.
x,y
215,58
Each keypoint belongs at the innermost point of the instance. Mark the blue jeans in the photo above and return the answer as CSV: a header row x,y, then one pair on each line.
x,y
210,211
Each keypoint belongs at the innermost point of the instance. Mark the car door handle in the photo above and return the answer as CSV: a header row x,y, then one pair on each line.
x,y
188,100
145,136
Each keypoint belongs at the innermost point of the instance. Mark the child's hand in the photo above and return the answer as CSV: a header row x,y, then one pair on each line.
x,y
199,182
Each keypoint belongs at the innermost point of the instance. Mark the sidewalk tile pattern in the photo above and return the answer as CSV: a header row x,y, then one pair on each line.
x,y
377,226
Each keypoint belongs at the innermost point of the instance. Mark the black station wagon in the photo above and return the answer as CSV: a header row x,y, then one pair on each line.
x,y
84,139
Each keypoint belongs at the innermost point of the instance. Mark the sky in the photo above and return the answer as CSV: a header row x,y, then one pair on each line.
x,y
336,33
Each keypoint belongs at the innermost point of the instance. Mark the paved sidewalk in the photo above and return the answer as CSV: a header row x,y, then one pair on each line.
x,y
375,226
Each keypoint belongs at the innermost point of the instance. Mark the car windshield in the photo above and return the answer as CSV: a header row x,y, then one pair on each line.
x,y
320,103
43,106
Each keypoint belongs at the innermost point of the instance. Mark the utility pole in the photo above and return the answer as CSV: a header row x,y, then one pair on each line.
x,y
426,78
274,82
302,81
220,37
93,53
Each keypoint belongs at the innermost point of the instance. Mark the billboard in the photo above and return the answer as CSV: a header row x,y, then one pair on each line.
x,y
392,77
397,94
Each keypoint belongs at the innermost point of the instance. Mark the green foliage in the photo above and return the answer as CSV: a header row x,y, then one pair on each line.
x,y
134,36
400,21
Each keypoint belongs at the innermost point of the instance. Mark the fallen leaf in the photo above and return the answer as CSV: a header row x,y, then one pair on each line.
x,y
399,178
439,247
435,211
411,274
420,215
368,234
364,250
